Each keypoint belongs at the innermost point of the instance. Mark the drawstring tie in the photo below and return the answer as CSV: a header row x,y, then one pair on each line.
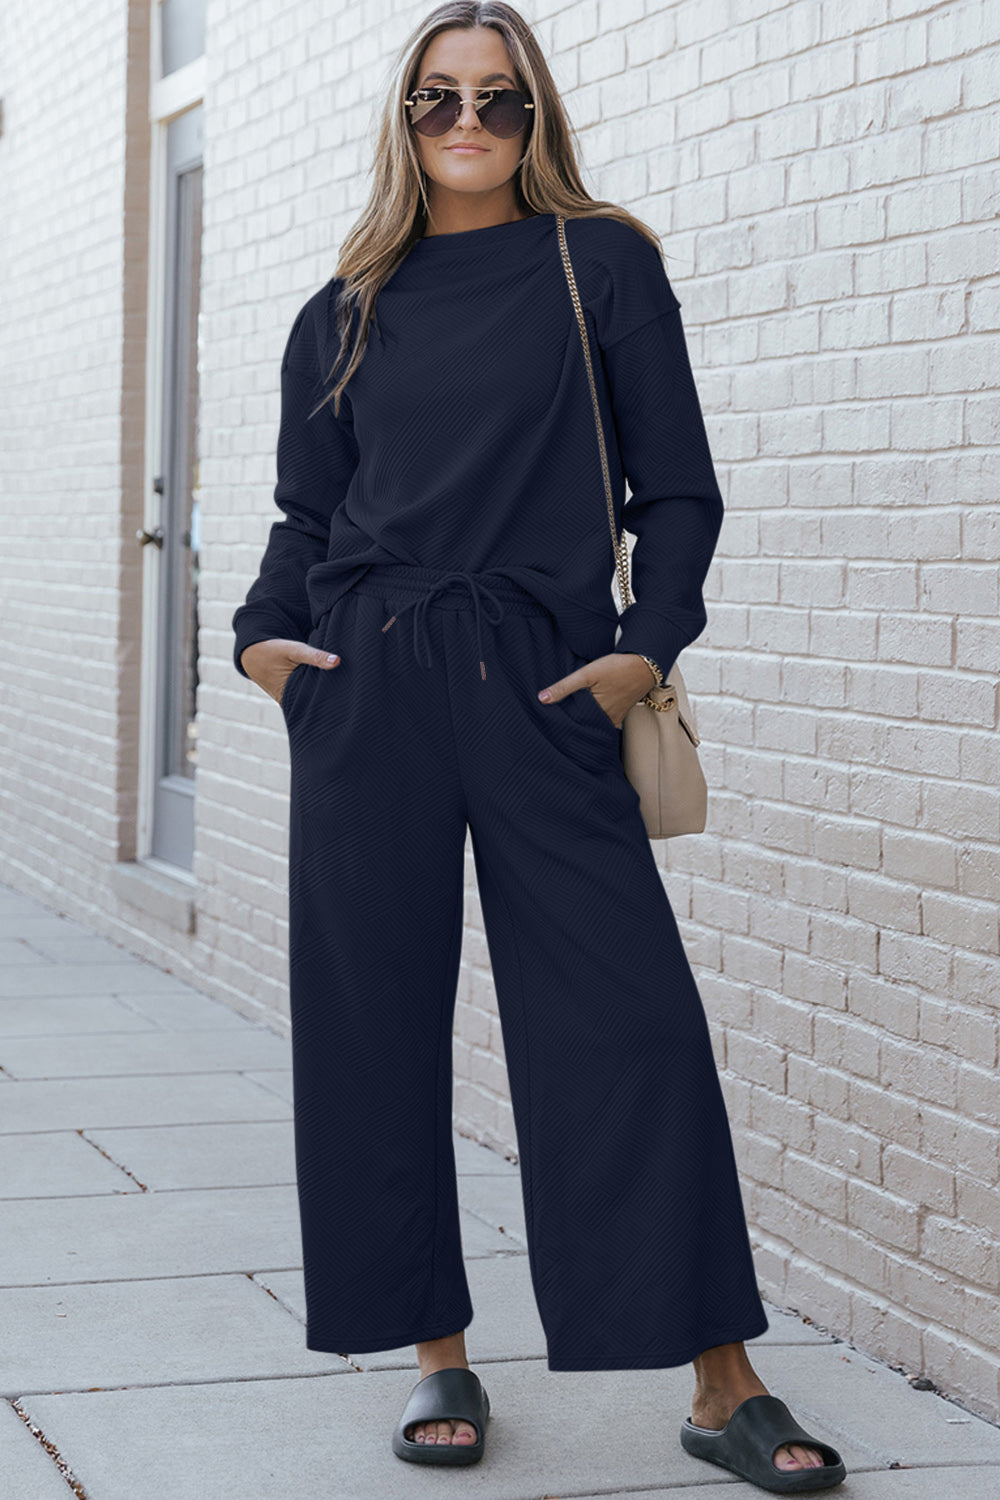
x,y
478,592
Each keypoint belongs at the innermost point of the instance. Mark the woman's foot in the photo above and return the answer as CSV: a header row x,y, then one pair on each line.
x,y
442,1354
724,1377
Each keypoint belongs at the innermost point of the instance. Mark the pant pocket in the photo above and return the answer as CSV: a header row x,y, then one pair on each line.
x,y
588,706
591,706
293,681
290,687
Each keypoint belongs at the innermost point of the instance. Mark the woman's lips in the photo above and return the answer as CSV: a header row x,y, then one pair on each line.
x,y
480,150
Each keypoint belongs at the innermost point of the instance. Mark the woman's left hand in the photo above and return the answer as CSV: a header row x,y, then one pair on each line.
x,y
617,681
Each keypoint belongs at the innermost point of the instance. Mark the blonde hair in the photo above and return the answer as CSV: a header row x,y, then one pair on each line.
x,y
547,179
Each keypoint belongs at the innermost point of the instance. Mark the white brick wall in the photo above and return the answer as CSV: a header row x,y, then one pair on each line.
x,y
824,178
62,190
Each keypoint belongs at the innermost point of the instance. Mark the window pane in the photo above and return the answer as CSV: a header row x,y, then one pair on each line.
x,y
182,32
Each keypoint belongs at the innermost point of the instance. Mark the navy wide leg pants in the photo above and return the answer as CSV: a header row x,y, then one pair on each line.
x,y
638,1245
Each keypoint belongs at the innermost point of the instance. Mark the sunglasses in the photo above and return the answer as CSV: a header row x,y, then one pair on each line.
x,y
434,111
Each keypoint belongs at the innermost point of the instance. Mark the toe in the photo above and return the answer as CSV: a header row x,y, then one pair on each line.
x,y
796,1456
443,1431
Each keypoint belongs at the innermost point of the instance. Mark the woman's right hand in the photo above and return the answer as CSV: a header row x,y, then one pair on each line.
x,y
270,663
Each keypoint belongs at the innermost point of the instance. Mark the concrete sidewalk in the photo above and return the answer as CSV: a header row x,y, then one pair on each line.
x,y
151,1297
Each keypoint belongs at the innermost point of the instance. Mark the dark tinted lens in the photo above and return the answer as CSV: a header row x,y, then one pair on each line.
x,y
434,118
505,113
437,110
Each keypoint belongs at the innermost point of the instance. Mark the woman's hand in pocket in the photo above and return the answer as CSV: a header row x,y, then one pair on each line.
x,y
270,663
617,681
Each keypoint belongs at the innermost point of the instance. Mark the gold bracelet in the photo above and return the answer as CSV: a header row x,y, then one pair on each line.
x,y
653,668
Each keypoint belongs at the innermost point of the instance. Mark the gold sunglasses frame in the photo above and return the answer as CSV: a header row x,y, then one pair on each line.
x,y
447,88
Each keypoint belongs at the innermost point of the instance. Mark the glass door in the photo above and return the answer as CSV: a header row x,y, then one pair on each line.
x,y
177,537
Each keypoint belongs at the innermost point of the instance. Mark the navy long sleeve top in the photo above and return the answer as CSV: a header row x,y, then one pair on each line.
x,y
466,439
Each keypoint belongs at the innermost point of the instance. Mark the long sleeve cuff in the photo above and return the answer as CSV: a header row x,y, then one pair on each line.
x,y
256,623
650,634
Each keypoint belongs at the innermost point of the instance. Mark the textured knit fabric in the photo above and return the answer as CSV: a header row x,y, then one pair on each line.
x,y
466,439
636,1233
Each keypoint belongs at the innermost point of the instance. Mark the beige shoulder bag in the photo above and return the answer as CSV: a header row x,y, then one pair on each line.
x,y
659,742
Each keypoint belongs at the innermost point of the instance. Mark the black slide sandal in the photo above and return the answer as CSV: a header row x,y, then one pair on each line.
x,y
455,1393
748,1442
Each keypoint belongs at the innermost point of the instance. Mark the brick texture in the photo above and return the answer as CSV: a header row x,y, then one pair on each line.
x,y
825,184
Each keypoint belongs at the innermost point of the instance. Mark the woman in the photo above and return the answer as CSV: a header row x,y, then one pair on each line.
x,y
434,617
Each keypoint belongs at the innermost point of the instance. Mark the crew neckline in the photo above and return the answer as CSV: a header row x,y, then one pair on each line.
x,y
485,236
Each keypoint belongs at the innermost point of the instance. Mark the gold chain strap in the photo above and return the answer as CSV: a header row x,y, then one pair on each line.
x,y
618,542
